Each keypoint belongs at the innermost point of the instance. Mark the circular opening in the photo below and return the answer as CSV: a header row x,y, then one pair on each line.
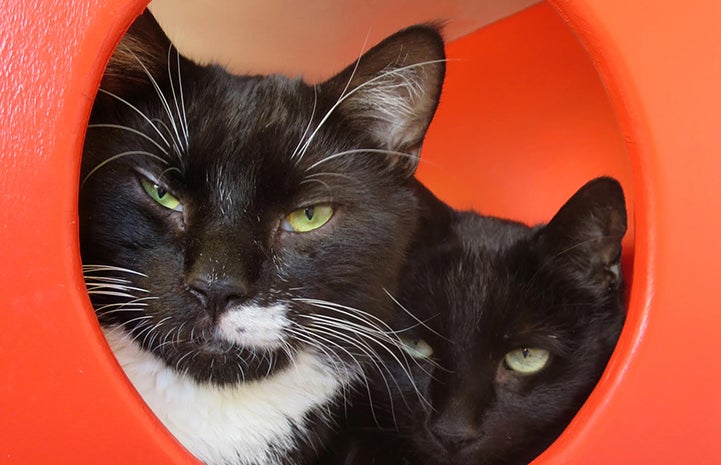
x,y
524,121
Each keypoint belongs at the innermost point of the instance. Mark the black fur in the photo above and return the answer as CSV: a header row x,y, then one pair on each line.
x,y
483,287
237,180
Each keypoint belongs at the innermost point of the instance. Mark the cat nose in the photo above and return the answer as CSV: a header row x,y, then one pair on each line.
x,y
218,293
454,435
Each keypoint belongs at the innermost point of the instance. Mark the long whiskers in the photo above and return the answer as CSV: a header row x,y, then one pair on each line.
x,y
354,151
409,313
163,100
137,110
120,155
177,117
366,352
370,329
182,117
129,129
310,122
316,338
116,282
315,90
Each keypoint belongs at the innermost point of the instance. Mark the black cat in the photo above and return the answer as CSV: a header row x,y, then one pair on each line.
x,y
512,329
239,233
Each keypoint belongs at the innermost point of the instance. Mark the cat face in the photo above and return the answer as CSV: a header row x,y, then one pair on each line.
x,y
230,222
517,326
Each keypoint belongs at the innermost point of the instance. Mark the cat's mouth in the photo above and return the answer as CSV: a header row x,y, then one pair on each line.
x,y
215,346
215,359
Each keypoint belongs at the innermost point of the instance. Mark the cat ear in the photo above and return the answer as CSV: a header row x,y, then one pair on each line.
x,y
585,235
393,90
141,53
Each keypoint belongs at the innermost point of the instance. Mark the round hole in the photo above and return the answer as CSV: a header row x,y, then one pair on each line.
x,y
60,383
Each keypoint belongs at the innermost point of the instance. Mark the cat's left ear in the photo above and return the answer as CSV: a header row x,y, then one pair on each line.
x,y
584,237
392,91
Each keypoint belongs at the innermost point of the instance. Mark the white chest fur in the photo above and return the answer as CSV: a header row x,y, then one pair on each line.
x,y
243,424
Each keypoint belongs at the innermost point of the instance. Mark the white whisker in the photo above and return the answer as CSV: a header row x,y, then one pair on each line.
x,y
120,155
347,85
310,122
353,151
106,279
159,91
129,129
125,306
181,120
330,174
176,145
182,101
352,312
134,108
112,293
420,322
97,287
102,268
368,352
370,336
309,337
324,184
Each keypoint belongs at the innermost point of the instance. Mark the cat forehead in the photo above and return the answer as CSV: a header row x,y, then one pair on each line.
x,y
267,120
490,278
229,125
218,101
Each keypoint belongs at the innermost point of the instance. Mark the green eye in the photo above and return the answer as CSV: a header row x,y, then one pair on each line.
x,y
417,348
527,360
160,195
308,218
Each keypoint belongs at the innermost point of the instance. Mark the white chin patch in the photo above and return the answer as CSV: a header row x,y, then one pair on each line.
x,y
254,326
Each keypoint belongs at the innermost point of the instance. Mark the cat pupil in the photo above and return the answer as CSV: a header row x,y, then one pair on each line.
x,y
309,212
525,351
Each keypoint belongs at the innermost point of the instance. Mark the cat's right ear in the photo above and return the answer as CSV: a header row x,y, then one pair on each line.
x,y
140,57
584,237
392,92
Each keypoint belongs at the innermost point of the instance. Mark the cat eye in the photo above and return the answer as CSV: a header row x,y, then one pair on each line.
x,y
307,218
527,360
161,195
417,348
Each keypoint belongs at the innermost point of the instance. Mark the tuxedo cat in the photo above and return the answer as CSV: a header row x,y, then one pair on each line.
x,y
239,234
513,328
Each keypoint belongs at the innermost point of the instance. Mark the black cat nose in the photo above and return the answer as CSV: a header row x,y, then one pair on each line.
x,y
217,293
454,435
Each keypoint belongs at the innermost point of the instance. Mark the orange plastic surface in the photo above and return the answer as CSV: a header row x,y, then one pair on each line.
x,y
525,120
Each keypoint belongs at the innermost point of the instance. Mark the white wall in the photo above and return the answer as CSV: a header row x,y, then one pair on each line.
x,y
312,38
